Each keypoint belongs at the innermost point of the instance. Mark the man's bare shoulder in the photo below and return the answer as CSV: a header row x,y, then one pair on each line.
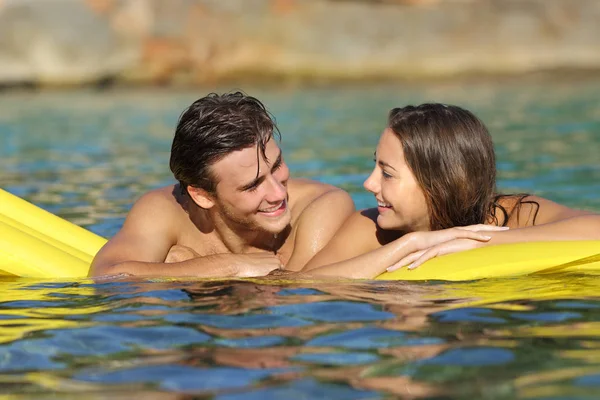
x,y
149,231
363,221
318,212
304,192
165,201
310,184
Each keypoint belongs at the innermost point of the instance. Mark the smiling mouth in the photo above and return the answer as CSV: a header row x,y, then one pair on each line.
x,y
274,211
381,204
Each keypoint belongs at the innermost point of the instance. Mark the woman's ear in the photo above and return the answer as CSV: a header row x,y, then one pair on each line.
x,y
201,197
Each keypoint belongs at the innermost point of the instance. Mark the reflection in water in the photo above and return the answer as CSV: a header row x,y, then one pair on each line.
x,y
87,155
239,338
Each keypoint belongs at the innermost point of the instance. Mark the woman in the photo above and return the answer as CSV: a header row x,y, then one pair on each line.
x,y
435,170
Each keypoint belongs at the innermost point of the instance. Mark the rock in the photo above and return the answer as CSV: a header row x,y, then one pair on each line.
x,y
60,41
197,41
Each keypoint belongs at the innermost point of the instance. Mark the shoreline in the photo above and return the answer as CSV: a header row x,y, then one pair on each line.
x,y
285,82
54,43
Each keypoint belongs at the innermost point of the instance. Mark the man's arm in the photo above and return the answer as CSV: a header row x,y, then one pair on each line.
x,y
149,232
142,242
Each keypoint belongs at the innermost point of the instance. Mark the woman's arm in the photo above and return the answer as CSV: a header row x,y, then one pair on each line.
x,y
540,219
359,251
536,220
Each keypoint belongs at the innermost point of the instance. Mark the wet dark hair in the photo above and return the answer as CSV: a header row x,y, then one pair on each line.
x,y
213,127
451,154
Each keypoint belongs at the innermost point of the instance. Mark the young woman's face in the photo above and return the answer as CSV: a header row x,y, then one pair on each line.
x,y
400,200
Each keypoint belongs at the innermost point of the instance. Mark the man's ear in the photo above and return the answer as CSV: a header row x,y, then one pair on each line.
x,y
201,197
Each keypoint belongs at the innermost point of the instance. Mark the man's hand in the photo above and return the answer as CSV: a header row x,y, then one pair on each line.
x,y
242,265
255,264
430,244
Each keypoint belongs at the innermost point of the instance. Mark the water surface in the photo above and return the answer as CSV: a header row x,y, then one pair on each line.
x,y
87,156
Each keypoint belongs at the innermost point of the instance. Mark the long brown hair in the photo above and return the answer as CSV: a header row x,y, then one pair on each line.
x,y
451,154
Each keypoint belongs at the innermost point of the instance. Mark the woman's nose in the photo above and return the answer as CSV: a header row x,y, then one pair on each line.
x,y
372,183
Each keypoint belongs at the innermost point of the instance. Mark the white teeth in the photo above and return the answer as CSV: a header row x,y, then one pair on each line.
x,y
382,204
272,209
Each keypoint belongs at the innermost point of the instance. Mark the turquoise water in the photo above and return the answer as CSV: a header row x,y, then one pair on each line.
x,y
87,155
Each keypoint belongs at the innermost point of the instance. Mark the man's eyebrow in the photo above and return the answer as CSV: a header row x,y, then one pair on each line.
x,y
277,162
255,182
259,179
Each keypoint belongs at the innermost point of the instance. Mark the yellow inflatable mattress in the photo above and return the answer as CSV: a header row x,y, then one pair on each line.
x,y
36,243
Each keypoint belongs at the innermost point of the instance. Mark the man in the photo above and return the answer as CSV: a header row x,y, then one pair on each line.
x,y
234,212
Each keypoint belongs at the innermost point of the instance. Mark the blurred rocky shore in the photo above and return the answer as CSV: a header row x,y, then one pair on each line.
x,y
57,42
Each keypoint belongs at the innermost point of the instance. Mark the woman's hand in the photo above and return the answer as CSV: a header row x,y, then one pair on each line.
x,y
430,244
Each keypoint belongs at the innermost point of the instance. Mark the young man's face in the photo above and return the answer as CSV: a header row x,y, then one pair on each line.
x,y
251,201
